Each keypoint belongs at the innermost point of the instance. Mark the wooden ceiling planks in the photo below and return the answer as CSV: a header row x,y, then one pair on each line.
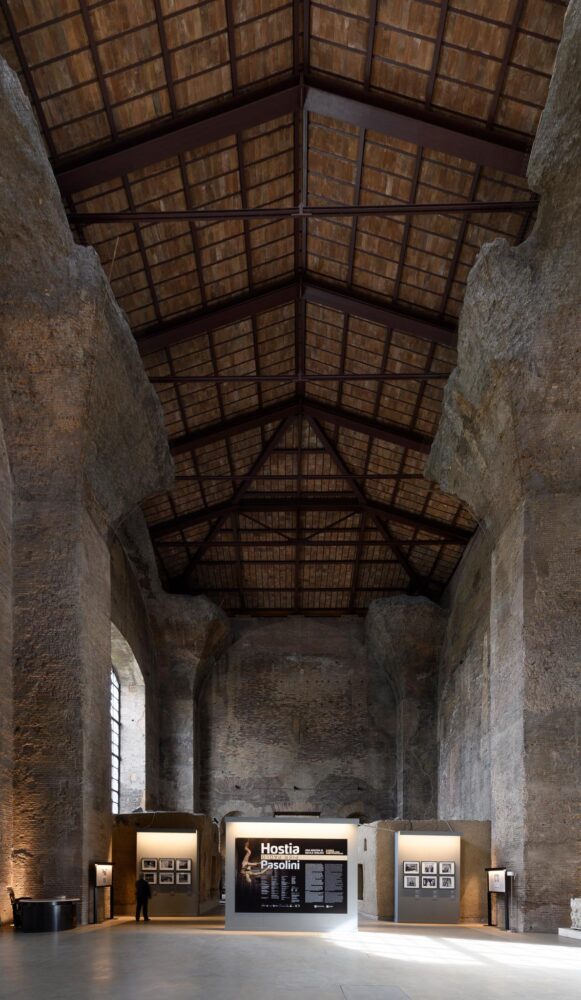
x,y
103,74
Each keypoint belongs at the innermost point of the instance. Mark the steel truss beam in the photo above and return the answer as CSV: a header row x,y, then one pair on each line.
x,y
300,212
243,422
433,130
164,335
328,503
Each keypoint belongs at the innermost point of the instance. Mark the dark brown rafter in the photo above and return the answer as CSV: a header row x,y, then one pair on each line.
x,y
301,212
292,503
391,117
198,324
306,541
243,422
415,580
304,377
231,508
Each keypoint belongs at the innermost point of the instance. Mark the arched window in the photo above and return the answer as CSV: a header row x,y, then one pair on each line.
x,y
128,784
115,741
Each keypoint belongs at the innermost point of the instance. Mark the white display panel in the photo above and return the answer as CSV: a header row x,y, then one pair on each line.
x,y
168,860
287,875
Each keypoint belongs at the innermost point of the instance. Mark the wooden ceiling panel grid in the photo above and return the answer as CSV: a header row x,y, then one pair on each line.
x,y
102,71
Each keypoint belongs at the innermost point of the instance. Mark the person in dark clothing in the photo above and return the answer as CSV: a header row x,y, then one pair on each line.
x,y
142,897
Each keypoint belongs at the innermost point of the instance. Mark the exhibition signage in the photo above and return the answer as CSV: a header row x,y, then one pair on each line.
x,y
499,883
102,878
297,874
291,876
427,877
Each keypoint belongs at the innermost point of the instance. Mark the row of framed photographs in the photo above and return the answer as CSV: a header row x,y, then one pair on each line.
x,y
166,864
167,878
429,867
429,882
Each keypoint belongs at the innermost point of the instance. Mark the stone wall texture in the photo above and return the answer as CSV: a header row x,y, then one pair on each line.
x,y
508,444
77,412
6,723
464,690
295,715
404,637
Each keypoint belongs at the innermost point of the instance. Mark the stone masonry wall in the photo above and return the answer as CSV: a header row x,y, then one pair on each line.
x,y
6,723
294,714
77,412
508,444
464,690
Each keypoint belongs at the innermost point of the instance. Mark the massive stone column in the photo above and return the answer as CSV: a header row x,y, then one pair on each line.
x,y
508,444
188,633
85,442
405,635
191,632
6,722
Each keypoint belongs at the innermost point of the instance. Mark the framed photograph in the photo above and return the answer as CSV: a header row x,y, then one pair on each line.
x,y
183,878
447,882
429,881
428,867
411,868
447,868
411,881
166,878
149,864
167,864
183,864
150,877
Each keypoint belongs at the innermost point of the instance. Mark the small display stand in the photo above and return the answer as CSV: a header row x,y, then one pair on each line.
x,y
500,884
102,879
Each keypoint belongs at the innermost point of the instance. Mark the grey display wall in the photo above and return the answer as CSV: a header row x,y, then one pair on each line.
x,y
427,878
177,898
291,875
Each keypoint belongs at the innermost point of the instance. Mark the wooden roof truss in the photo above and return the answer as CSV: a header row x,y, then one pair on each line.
x,y
288,198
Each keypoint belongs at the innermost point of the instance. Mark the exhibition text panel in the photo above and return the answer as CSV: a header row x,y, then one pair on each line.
x,y
302,875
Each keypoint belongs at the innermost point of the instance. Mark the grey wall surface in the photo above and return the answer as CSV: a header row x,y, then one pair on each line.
x,y
294,714
6,723
464,690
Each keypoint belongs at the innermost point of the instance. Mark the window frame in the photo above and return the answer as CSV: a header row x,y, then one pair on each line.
x,y
115,719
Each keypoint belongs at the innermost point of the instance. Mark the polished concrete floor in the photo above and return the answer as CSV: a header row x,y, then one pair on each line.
x,y
189,959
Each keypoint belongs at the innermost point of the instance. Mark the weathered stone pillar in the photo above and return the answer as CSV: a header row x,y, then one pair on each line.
x,y
6,720
188,633
405,635
508,445
85,441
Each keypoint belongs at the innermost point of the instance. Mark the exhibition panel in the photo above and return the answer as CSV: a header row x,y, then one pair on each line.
x,y
427,877
291,875
168,860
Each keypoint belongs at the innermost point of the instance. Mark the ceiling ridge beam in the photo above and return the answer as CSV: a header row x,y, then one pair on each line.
x,y
196,324
238,424
444,133
434,130
167,140
161,336
384,314
243,422
392,433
